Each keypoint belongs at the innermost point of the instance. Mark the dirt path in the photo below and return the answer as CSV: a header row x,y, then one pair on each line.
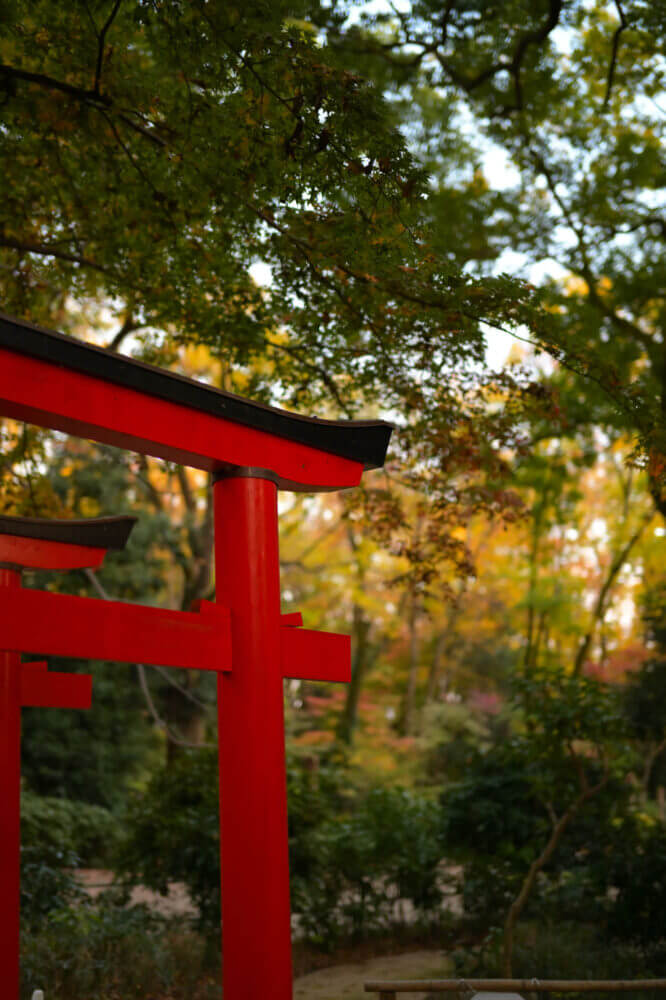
x,y
345,982
176,904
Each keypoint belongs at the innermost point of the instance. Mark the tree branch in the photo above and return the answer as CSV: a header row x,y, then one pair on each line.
x,y
48,250
649,764
100,47
538,864
50,83
320,371
512,66
90,97
600,606
586,268
128,326
613,60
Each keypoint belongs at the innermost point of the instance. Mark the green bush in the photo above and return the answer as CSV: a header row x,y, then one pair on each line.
x,y
111,951
172,833
47,882
561,949
58,836
500,817
348,869
638,876
54,824
172,830
360,867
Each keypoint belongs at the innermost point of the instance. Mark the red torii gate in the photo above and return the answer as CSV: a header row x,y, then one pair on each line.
x,y
252,450
79,627
30,543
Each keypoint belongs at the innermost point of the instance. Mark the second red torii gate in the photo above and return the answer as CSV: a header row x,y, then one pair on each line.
x,y
252,450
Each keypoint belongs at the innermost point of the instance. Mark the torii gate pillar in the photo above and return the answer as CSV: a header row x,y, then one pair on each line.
x,y
254,861
10,797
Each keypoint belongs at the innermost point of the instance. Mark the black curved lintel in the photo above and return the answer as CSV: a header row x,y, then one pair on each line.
x,y
363,441
93,532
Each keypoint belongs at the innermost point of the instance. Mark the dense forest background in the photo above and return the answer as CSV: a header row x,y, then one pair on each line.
x,y
449,215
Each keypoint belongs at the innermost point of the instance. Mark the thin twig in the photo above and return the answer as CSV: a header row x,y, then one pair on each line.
x,y
613,60
100,47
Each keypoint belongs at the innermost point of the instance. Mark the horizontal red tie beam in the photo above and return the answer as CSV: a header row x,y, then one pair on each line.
x,y
41,689
315,656
36,621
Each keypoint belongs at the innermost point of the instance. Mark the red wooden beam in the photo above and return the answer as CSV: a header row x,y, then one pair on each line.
x,y
41,689
293,620
52,396
60,625
65,543
35,553
315,656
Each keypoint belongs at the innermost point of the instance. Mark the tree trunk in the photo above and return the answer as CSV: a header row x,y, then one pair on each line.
x,y
360,663
443,646
530,647
537,865
186,716
409,703
605,590
650,761
442,643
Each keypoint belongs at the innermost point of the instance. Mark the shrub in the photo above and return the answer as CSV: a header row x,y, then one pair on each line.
x,y
638,877
172,833
348,870
54,824
560,949
112,951
57,836
500,818
47,882
361,866
172,830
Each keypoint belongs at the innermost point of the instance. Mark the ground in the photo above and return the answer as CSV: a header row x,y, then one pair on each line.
x,y
336,982
345,982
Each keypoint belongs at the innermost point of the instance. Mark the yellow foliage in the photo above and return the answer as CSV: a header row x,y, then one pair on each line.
x,y
314,737
89,507
576,286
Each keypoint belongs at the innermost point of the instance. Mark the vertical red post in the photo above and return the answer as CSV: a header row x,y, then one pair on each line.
x,y
256,922
10,806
